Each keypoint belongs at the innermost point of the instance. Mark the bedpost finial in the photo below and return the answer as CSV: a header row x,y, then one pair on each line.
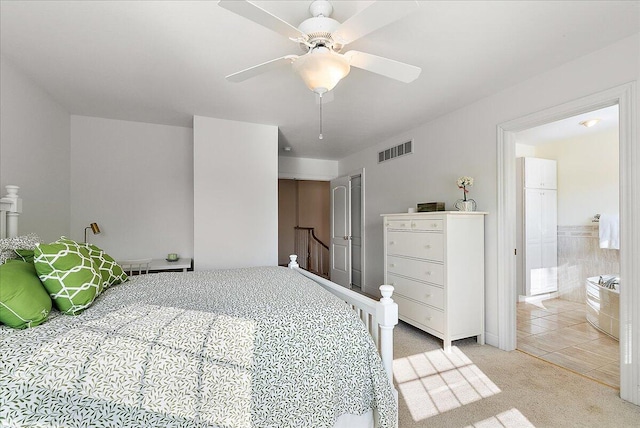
x,y
12,191
386,291
293,263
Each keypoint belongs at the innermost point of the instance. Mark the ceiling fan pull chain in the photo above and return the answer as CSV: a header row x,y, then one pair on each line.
x,y
320,136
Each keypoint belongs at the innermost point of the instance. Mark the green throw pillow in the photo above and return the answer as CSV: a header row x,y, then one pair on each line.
x,y
23,300
69,274
25,255
111,272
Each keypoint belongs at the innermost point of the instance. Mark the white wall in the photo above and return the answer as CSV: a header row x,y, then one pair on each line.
x,y
523,151
235,193
307,169
136,181
34,153
588,176
464,143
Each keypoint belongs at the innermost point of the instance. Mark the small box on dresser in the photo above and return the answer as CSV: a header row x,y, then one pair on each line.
x,y
435,261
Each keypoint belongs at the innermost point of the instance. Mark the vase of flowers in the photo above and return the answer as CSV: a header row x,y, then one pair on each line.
x,y
465,204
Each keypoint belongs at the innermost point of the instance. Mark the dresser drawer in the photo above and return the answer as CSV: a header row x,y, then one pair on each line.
x,y
425,293
422,245
417,312
436,225
416,269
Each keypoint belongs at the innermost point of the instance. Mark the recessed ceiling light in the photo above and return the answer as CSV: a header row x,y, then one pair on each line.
x,y
589,123
287,149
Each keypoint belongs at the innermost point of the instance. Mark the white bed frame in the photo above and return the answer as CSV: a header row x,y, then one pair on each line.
x,y
380,317
10,209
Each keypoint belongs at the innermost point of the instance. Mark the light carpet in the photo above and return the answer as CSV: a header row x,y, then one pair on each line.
x,y
482,386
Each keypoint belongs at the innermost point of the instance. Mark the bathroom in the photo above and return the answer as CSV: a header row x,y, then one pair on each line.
x,y
587,168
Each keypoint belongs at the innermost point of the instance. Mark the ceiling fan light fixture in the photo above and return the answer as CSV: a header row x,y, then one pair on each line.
x,y
321,69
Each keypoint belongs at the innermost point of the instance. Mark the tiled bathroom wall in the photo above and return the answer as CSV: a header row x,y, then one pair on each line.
x,y
580,257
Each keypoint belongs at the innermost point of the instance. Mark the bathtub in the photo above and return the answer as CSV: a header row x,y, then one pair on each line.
x,y
603,307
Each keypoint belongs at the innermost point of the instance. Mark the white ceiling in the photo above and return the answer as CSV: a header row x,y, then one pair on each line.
x,y
165,61
570,127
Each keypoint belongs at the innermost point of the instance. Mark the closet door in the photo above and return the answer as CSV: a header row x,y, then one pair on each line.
x,y
533,241
541,240
549,231
549,174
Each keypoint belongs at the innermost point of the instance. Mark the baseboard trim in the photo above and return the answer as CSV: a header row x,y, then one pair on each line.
x,y
539,297
492,339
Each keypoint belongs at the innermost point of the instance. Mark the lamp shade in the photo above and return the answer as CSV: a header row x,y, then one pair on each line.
x,y
95,228
321,69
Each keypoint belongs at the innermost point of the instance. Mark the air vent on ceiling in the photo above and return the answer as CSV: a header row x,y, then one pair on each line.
x,y
396,151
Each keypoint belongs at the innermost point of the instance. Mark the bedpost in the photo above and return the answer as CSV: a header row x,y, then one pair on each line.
x,y
11,207
387,315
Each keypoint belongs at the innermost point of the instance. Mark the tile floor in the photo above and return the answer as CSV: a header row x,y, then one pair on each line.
x,y
556,330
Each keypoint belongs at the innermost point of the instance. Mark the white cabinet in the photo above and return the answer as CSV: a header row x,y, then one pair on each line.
x,y
537,224
435,261
540,173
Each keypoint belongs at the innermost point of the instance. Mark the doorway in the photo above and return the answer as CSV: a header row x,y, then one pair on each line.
x,y
626,98
303,223
567,176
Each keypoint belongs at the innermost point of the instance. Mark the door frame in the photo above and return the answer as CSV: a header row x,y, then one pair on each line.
x,y
625,96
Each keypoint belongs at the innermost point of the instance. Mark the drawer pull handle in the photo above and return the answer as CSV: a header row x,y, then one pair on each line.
x,y
427,246
428,273
434,225
427,295
413,225
391,242
392,265
427,318
403,225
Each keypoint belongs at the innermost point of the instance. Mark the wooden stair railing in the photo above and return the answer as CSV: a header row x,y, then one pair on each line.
x,y
313,254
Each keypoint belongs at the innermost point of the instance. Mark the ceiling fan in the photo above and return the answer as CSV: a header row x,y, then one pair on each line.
x,y
322,38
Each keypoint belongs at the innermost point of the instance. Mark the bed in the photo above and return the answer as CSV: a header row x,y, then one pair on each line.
x,y
252,347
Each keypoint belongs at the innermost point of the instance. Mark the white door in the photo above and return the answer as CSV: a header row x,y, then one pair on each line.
x,y
340,246
549,236
533,241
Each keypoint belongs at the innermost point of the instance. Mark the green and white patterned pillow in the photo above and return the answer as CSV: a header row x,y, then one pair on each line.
x,y
25,255
23,300
111,272
69,274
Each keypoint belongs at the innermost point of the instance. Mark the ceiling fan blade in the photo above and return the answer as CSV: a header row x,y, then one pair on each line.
x,y
260,16
377,15
387,67
260,68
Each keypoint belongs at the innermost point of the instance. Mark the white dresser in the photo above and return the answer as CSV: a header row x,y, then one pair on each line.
x,y
435,261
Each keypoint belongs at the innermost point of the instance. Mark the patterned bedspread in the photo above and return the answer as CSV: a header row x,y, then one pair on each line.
x,y
255,347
